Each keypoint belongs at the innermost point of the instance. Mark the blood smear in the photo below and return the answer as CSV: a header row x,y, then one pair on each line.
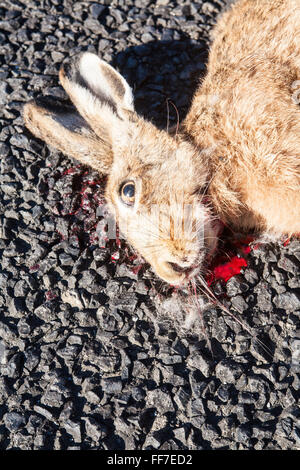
x,y
224,269
227,270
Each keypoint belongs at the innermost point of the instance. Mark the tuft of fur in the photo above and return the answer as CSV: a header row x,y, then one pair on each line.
x,y
235,158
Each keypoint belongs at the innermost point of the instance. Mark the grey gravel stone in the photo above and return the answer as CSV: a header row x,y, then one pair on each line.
x,y
73,428
228,371
236,285
243,433
239,304
289,301
95,430
160,400
4,93
200,363
112,385
14,421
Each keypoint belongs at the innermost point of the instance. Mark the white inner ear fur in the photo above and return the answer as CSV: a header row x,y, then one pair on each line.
x,y
90,106
90,68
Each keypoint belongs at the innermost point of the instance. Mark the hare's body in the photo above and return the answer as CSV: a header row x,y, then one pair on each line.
x,y
247,112
236,158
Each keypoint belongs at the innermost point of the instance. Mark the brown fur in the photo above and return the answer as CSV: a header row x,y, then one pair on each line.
x,y
236,157
254,125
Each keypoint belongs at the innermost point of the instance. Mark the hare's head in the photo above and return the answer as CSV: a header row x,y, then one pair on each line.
x,y
155,181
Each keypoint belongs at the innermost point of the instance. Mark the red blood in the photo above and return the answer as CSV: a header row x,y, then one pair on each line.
x,y
69,171
227,270
131,258
230,263
50,295
63,237
246,249
35,267
93,238
136,269
115,256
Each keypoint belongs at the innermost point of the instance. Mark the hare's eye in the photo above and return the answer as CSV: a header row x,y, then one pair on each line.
x,y
127,193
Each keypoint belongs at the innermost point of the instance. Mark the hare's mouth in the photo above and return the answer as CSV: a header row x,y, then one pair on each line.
x,y
204,258
189,271
180,272
176,274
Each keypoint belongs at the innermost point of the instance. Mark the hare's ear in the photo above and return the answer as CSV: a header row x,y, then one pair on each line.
x,y
101,95
63,128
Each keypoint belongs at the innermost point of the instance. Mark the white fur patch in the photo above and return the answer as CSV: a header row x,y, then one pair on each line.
x,y
90,69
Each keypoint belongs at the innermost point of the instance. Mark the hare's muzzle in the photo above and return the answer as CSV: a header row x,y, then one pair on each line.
x,y
174,273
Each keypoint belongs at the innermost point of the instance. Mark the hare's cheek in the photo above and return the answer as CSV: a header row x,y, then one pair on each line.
x,y
135,232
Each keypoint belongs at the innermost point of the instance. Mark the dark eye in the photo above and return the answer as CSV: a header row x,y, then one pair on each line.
x,y
127,193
